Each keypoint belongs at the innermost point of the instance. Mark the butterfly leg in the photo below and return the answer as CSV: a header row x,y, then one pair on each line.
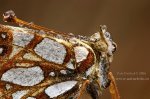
x,y
83,88
113,87
94,90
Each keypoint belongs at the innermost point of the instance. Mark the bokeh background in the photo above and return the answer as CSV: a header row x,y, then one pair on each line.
x,y
127,20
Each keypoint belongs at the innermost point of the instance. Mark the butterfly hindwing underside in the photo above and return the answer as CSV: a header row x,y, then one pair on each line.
x,y
39,63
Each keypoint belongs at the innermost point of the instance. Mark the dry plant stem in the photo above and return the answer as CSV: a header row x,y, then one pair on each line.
x,y
83,87
113,87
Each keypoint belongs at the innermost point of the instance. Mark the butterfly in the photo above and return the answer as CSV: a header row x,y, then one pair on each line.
x,y
41,63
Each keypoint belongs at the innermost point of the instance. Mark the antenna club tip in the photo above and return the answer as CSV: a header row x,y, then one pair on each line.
x,y
9,16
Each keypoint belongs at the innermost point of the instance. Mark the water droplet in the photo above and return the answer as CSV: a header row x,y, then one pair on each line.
x,y
63,72
52,74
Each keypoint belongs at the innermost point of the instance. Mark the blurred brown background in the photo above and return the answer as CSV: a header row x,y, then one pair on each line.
x,y
127,20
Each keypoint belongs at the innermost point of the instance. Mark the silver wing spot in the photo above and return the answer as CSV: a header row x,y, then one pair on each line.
x,y
24,76
81,53
51,51
19,94
22,38
59,88
8,86
70,65
52,74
